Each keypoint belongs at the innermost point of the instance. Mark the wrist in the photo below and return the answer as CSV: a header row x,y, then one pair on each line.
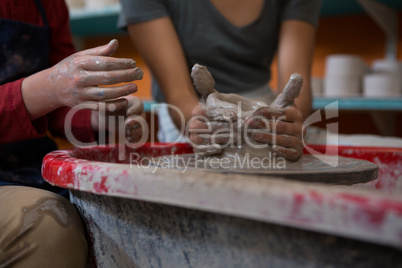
x,y
37,95
185,108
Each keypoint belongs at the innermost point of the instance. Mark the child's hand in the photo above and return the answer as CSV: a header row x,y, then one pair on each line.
x,y
131,111
75,79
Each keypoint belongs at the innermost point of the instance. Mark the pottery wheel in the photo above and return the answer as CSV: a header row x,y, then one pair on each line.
x,y
333,170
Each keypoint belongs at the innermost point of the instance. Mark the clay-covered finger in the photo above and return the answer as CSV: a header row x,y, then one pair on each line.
x,y
107,93
292,114
195,139
207,150
217,138
110,77
269,112
203,81
101,63
291,154
220,114
133,122
135,106
109,106
286,141
222,126
196,126
199,110
288,114
134,135
105,50
274,126
199,126
290,92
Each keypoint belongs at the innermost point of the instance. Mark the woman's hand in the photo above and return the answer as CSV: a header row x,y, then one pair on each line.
x,y
75,80
210,131
282,129
218,124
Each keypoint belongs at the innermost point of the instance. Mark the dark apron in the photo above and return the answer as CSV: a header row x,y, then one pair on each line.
x,y
24,50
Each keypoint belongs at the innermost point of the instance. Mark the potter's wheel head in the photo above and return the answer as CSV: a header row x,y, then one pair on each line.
x,y
332,169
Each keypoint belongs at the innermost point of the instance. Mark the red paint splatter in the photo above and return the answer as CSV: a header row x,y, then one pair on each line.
x,y
317,197
371,211
100,187
298,200
361,200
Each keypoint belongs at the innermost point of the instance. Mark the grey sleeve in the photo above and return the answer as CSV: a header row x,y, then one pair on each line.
x,y
306,10
134,11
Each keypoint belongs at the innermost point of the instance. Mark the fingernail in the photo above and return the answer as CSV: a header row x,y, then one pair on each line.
x,y
139,73
133,88
112,42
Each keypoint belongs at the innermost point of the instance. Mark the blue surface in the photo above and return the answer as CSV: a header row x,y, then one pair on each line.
x,y
361,103
356,104
148,105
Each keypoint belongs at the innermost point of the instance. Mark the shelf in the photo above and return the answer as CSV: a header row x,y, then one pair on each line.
x,y
351,104
103,21
95,22
349,7
360,104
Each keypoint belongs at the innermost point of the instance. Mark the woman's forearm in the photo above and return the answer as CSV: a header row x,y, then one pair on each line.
x,y
295,54
159,45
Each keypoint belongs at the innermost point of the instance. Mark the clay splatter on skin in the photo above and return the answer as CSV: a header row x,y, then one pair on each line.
x,y
236,110
101,93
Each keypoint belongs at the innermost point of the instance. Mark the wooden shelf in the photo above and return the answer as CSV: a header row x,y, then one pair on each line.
x,y
103,21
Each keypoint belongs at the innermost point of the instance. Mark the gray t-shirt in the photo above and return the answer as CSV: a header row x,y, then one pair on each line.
x,y
239,58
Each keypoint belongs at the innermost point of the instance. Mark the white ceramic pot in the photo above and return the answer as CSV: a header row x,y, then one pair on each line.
x,y
342,86
382,85
344,65
387,66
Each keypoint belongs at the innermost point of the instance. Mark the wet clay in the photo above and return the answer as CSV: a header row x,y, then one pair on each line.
x,y
203,80
233,110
